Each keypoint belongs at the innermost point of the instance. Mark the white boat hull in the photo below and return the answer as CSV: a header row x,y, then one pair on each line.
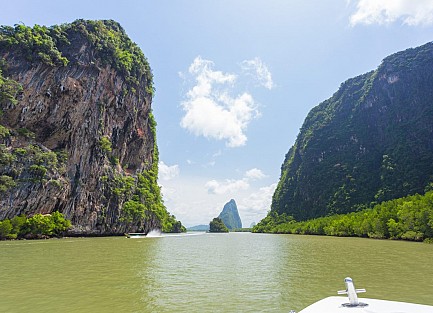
x,y
135,235
339,305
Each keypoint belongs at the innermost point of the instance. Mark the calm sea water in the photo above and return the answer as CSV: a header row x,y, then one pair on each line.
x,y
236,272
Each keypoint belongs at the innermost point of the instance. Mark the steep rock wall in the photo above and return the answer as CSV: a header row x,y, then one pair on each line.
x,y
370,142
97,116
230,215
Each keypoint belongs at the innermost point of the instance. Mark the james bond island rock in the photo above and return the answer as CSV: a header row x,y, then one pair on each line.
x,y
230,215
77,135
370,142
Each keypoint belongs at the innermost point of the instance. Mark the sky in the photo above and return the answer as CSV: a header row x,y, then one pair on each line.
x,y
235,80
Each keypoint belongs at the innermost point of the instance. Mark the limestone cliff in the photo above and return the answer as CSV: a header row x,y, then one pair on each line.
x,y
78,134
230,215
370,142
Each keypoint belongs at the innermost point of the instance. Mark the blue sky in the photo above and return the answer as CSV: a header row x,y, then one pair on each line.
x,y
236,78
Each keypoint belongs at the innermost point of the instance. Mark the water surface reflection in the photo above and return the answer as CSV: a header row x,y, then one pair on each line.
x,y
236,272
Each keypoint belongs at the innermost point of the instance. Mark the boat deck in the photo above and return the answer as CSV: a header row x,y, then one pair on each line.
x,y
337,305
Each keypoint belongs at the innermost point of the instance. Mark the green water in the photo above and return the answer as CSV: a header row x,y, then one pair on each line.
x,y
236,272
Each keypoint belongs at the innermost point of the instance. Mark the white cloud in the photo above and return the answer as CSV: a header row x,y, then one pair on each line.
x,y
188,200
259,202
191,203
168,172
167,191
228,186
255,173
205,77
256,205
409,12
210,110
259,71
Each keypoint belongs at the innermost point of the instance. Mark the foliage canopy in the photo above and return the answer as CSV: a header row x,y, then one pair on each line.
x,y
217,226
37,226
408,218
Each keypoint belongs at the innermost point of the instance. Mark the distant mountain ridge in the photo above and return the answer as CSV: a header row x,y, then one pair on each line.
x,y
199,228
230,215
370,142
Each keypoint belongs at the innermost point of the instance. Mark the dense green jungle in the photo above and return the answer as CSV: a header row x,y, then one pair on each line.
x,y
408,218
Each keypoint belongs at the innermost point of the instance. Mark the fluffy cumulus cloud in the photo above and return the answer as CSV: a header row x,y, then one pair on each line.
x,y
409,12
256,205
230,186
168,172
227,186
195,200
255,173
210,108
259,202
259,71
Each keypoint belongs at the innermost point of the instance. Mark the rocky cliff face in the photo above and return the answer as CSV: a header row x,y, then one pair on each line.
x,y
80,136
371,141
230,215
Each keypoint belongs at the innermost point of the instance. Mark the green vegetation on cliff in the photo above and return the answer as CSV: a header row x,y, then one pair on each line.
x,y
29,163
9,90
370,142
110,42
97,149
114,47
140,196
217,226
408,218
36,44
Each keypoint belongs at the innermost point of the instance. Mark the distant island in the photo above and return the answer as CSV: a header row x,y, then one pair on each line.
x,y
230,215
227,220
217,226
198,228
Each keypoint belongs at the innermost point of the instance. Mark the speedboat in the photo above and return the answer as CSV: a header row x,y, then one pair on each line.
x,y
135,235
351,304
